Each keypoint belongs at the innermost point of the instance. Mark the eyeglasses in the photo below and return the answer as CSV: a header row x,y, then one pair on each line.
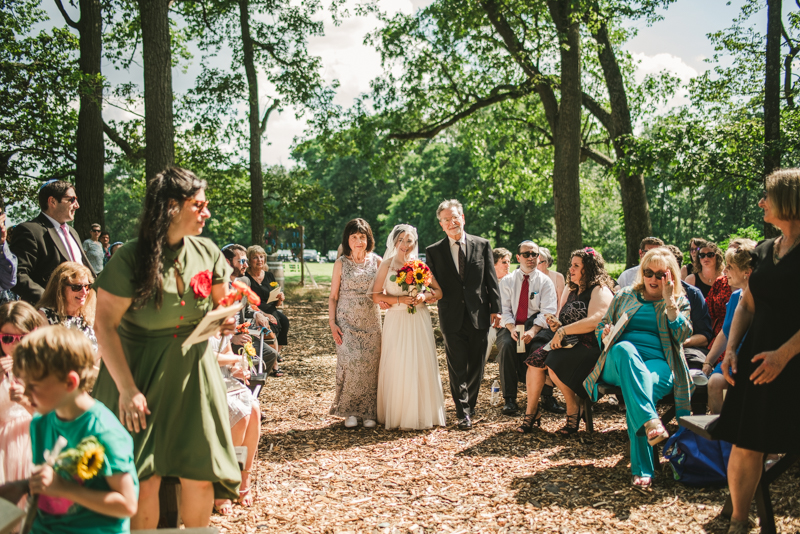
x,y
79,287
701,255
448,220
529,254
242,261
71,200
95,229
8,339
650,274
200,204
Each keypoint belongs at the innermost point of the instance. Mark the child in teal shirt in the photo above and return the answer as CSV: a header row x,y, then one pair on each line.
x,y
93,487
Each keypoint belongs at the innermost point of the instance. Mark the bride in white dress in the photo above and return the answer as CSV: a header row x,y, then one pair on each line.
x,y
409,386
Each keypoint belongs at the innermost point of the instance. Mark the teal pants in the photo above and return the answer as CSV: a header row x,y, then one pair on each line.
x,y
644,379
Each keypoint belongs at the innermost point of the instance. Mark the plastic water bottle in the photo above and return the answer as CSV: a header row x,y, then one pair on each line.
x,y
495,392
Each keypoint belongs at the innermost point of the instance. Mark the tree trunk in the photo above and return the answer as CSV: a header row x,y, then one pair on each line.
x,y
157,59
256,175
567,138
772,96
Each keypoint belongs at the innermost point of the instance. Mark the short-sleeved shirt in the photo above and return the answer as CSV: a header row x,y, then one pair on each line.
x,y
94,252
62,515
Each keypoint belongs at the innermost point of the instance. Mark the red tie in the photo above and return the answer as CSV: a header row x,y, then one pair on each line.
x,y
522,307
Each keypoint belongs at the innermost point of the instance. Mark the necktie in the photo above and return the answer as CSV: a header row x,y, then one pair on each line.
x,y
522,307
66,241
462,260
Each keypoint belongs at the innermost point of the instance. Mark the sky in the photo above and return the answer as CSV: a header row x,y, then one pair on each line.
x,y
677,43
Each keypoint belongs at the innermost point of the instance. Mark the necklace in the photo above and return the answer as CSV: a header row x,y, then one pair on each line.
x,y
775,257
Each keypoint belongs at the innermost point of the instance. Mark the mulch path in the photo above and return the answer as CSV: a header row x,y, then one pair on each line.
x,y
312,475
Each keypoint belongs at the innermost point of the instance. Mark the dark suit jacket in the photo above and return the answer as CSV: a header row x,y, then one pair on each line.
x,y
39,251
478,295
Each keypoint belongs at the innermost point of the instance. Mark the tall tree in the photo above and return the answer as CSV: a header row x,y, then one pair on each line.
x,y
772,96
89,144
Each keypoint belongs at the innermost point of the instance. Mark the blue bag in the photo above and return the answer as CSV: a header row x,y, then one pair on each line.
x,y
697,461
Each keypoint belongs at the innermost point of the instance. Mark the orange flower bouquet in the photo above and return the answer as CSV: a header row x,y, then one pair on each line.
x,y
240,290
414,277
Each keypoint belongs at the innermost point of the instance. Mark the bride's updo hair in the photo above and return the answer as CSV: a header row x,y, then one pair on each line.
x,y
394,237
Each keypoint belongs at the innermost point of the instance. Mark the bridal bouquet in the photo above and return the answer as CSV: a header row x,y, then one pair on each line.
x,y
413,277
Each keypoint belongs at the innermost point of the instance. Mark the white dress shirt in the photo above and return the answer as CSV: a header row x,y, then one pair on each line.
x,y
541,289
69,242
454,248
628,277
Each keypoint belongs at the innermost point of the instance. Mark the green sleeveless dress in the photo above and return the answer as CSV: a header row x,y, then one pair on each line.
x,y
187,432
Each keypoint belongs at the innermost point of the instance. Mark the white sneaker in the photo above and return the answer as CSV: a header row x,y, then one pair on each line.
x,y
351,422
369,423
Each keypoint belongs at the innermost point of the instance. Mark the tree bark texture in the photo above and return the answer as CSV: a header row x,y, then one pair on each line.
x,y
157,58
635,208
772,97
90,145
567,136
256,173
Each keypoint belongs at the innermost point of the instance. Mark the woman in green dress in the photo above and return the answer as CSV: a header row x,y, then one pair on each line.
x,y
150,296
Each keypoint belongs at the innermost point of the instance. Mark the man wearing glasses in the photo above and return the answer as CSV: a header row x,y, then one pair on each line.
x,y
526,295
94,249
627,278
45,242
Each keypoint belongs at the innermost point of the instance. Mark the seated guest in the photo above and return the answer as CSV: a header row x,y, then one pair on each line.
x,y
629,276
740,263
526,295
720,294
545,262
502,261
688,269
8,261
69,299
244,414
586,300
94,249
114,247
236,256
694,348
645,358
707,268
45,242
105,239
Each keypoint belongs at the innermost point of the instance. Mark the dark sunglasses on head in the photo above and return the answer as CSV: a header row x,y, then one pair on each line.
x,y
658,274
701,255
79,287
529,254
8,339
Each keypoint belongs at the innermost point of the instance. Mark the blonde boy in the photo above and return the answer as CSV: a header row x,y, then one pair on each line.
x,y
100,496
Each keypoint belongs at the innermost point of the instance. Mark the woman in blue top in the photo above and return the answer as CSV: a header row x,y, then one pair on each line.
x,y
645,358
740,263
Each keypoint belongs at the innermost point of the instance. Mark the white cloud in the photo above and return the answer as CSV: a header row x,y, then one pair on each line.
x,y
652,65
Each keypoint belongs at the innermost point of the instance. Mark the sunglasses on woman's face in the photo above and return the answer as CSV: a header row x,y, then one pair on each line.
x,y
529,254
8,339
650,274
78,287
200,204
702,255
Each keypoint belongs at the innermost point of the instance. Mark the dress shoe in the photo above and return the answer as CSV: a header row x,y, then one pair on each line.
x,y
465,423
510,408
550,404
351,422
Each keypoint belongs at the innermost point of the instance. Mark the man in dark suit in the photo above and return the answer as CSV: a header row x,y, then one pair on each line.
x,y
469,304
45,242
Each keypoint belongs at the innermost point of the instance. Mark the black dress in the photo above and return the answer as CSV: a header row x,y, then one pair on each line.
x,y
764,418
574,364
263,290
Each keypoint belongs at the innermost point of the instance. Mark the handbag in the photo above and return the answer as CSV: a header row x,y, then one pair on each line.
x,y
697,461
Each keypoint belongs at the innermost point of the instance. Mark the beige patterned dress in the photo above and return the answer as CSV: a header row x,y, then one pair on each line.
x,y
359,355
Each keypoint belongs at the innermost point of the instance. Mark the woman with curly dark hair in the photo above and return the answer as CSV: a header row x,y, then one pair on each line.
x,y
150,296
707,267
574,346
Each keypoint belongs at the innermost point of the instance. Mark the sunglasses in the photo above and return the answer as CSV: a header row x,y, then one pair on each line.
x,y
78,287
242,261
702,255
71,200
95,229
650,274
529,254
200,204
8,339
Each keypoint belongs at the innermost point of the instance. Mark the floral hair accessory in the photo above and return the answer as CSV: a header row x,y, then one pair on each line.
x,y
590,251
201,284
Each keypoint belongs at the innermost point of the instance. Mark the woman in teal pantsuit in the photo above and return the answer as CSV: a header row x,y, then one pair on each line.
x,y
645,359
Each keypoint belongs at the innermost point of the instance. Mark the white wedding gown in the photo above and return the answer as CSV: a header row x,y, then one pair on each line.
x,y
409,386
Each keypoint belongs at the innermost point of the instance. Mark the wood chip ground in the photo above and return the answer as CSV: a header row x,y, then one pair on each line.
x,y
311,475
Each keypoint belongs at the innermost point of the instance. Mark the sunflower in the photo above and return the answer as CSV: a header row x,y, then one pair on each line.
x,y
419,276
91,462
273,284
250,349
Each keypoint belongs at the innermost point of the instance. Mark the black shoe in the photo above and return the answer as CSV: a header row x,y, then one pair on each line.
x,y
465,423
530,420
550,404
511,408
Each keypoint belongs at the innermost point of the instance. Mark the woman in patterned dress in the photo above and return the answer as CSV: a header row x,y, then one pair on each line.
x,y
355,323
69,299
